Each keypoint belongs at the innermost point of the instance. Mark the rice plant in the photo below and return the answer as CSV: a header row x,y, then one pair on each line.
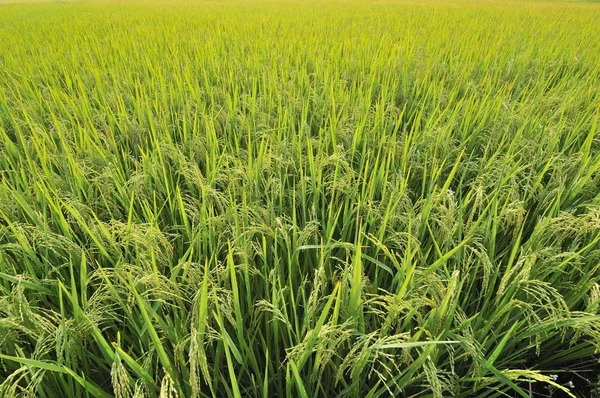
x,y
299,198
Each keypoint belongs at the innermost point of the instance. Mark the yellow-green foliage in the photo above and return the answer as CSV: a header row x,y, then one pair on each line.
x,y
299,198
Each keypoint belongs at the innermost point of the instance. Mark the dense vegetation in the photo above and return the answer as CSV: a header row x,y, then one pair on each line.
x,y
299,199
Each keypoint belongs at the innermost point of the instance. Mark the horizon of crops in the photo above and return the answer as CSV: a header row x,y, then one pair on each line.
x,y
311,199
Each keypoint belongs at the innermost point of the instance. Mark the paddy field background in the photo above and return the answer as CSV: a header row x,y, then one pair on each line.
x,y
299,198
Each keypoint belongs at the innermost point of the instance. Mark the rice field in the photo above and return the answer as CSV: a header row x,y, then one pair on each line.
x,y
288,198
